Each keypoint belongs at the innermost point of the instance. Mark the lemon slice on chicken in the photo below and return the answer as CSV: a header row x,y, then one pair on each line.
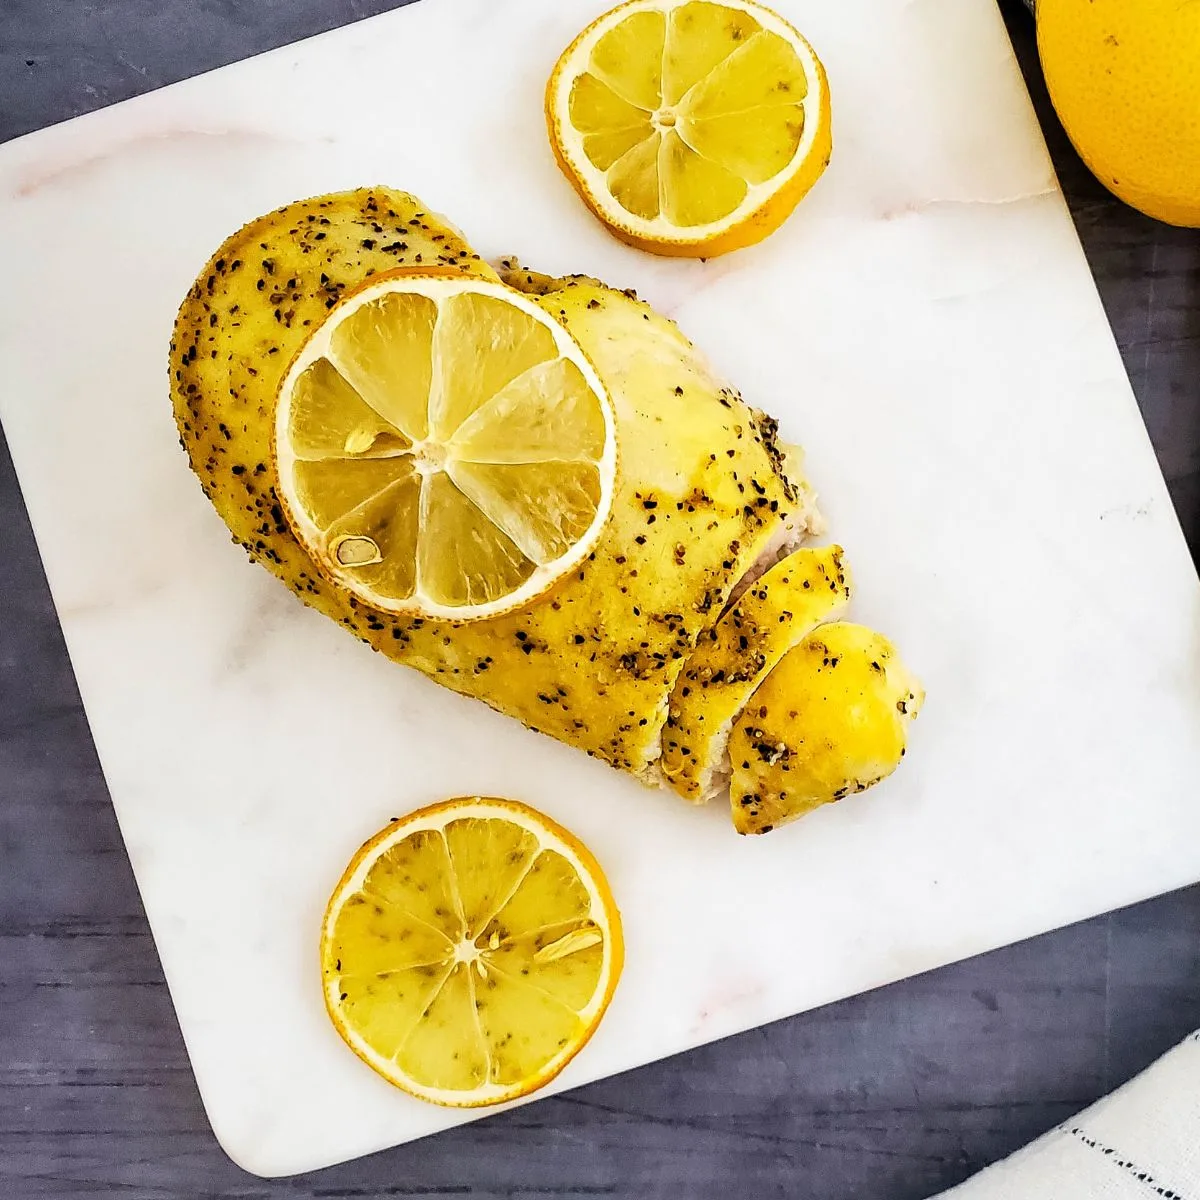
x,y
690,127
470,950
444,447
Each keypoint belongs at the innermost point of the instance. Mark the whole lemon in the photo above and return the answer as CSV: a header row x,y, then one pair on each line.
x,y
1124,76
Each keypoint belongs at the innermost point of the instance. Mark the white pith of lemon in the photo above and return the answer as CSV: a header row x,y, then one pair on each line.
x,y
444,447
470,950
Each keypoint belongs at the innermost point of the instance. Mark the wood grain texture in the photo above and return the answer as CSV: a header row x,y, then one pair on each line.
x,y
890,1096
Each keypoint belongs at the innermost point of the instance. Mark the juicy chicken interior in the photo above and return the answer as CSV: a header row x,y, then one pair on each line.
x,y
704,501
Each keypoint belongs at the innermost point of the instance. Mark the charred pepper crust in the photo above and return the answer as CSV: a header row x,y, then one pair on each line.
x,y
223,399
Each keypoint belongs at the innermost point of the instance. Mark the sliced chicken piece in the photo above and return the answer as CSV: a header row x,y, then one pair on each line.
x,y
831,719
776,612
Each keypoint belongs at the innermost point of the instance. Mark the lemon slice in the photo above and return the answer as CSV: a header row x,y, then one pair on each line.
x,y
470,950
690,128
444,447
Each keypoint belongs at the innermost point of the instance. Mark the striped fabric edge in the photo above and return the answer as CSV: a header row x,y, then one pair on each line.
x,y
1131,1168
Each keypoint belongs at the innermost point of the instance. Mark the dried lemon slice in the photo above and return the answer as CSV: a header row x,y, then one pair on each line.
x,y
690,127
444,447
470,950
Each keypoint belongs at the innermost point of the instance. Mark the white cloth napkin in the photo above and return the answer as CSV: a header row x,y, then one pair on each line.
x,y
1141,1142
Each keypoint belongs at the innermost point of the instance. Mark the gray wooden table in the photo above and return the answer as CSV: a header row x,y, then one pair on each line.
x,y
890,1096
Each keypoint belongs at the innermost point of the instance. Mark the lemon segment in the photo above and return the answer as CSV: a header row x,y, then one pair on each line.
x,y
469,951
690,127
384,355
444,447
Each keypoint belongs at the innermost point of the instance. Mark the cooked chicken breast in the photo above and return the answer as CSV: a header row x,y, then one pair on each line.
x,y
703,499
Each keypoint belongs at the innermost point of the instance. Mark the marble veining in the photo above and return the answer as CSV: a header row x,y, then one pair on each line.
x,y
925,325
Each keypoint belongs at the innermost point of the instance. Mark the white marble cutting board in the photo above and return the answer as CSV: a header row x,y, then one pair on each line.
x,y
925,325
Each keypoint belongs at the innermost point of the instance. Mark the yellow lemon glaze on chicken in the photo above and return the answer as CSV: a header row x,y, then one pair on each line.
x,y
831,719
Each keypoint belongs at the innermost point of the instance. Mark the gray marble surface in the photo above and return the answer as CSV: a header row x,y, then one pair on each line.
x,y
889,1096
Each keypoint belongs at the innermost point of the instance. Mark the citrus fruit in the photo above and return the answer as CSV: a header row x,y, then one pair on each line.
x,y
444,447
1124,76
690,128
470,950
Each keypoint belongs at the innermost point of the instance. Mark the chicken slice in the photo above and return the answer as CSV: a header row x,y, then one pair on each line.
x,y
831,719
776,612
